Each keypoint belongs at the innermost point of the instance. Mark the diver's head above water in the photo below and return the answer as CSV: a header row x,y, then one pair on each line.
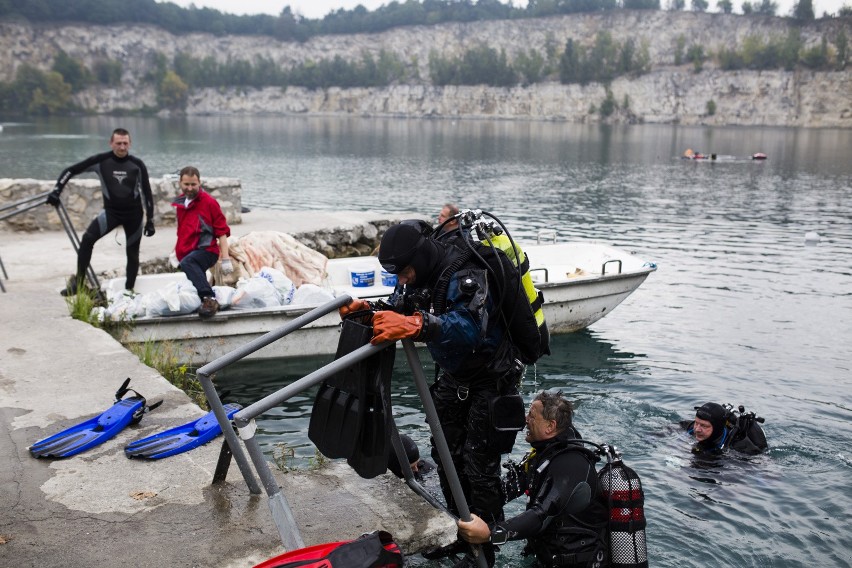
x,y
709,423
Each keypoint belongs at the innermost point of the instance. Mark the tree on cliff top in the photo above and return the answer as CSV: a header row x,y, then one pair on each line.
x,y
804,10
289,27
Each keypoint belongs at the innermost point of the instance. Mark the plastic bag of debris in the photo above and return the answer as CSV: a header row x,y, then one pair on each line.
x,y
175,299
255,292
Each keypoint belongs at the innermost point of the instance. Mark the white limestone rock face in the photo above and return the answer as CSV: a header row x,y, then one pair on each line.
x,y
668,94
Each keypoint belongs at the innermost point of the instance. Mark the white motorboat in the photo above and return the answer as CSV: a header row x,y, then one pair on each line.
x,y
582,282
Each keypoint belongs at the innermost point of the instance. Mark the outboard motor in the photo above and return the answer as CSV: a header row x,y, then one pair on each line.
x,y
622,490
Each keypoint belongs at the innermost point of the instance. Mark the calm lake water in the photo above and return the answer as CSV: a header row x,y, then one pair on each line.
x,y
741,309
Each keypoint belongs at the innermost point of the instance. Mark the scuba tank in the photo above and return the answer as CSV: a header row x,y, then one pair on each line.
x,y
496,238
621,488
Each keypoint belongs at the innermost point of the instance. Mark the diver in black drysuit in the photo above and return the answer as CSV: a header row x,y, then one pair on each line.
x,y
738,431
125,188
565,539
561,530
467,337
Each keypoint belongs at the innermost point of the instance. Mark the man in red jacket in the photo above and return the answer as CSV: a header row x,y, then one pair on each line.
x,y
202,237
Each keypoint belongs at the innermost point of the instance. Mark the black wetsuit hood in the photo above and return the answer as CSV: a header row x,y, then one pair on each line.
x,y
717,416
404,245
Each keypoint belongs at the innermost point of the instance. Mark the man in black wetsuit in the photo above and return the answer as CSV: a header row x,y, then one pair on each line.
x,y
125,187
561,530
452,301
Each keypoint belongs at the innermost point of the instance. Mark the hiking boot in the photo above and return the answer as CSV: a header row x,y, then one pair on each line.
x,y
209,307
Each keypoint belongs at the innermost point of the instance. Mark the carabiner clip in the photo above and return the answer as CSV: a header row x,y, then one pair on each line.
x,y
462,392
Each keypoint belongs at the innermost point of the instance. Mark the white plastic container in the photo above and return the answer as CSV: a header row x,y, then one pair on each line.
x,y
362,275
388,279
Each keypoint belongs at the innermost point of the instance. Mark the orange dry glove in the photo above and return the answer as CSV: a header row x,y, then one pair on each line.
x,y
356,305
390,326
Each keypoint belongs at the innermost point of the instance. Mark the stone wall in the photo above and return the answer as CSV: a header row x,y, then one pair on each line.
x,y
83,201
357,240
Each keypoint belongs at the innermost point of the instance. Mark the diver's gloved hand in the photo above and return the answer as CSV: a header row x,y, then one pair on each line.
x,y
390,326
53,197
227,266
149,228
356,305
515,482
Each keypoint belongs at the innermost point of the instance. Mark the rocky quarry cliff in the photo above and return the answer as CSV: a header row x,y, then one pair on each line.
x,y
669,93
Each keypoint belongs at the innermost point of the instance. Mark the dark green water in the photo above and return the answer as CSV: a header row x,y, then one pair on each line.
x,y
741,309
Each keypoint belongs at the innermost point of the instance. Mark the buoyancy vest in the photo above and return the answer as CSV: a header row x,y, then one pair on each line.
x,y
568,539
746,435
535,297
610,531
522,311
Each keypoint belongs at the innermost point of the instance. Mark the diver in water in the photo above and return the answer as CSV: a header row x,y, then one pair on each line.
x,y
717,428
419,467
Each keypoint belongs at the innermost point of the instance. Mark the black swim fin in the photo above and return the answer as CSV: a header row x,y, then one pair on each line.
x,y
97,430
351,409
374,446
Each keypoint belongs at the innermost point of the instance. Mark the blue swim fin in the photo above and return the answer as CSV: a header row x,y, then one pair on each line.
x,y
97,430
181,438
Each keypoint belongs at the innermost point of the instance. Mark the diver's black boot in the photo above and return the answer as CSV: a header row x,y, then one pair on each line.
x,y
72,286
452,549
468,561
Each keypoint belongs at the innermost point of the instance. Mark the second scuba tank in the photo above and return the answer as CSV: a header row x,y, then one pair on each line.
x,y
621,489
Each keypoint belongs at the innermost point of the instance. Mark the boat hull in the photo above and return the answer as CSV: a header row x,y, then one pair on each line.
x,y
581,284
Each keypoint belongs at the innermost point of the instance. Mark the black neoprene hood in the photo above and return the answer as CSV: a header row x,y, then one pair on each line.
x,y
399,246
714,413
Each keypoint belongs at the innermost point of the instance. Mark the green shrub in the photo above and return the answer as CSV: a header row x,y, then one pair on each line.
x,y
172,91
81,305
608,106
168,361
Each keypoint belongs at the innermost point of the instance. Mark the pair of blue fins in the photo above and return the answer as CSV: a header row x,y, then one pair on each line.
x,y
124,412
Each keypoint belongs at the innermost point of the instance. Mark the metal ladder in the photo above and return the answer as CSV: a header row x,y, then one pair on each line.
x,y
244,421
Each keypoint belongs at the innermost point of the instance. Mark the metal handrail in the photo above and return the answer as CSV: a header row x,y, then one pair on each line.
x,y
65,218
545,234
39,198
206,373
244,421
33,201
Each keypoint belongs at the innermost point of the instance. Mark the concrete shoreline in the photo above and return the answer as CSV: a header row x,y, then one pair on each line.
x,y
99,508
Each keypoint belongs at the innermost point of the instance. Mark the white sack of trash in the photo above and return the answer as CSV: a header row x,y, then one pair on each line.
x,y
269,288
175,299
